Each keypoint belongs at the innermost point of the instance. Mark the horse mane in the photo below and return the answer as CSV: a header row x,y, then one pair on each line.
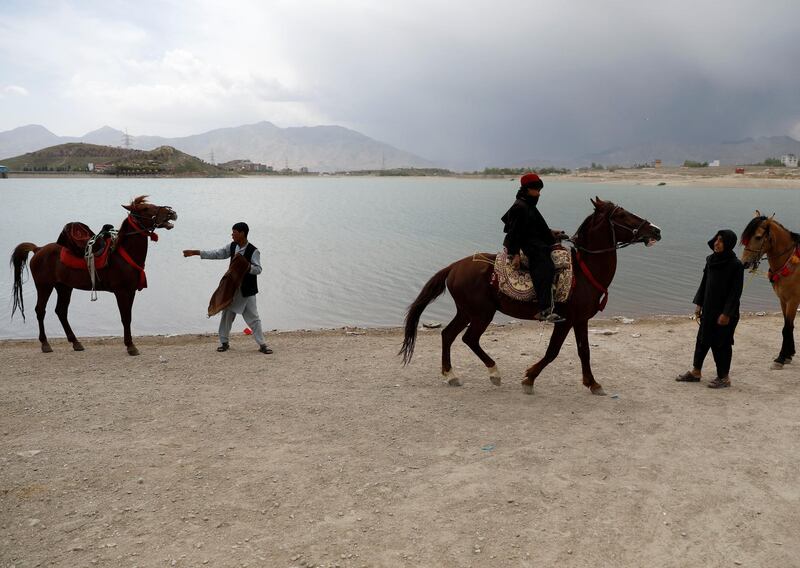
x,y
751,228
141,200
585,225
755,222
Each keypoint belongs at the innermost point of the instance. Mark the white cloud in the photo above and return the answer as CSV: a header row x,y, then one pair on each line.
x,y
15,90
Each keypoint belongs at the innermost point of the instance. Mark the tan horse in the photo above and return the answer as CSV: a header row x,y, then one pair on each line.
x,y
764,236
123,275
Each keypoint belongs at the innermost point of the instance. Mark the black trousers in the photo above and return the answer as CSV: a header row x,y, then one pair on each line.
x,y
542,272
722,356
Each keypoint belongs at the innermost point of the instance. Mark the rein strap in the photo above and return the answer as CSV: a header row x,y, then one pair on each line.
x,y
142,277
590,277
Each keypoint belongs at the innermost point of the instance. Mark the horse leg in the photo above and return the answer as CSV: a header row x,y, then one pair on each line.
x,y
125,305
62,306
787,347
473,337
449,335
43,292
581,329
556,341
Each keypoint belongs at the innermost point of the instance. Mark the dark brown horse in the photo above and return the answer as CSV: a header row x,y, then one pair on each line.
x,y
608,228
764,236
123,275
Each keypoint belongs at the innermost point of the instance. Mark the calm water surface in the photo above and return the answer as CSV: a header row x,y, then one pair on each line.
x,y
356,251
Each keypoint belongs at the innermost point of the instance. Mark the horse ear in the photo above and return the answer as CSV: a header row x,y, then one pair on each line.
x,y
128,207
757,213
594,202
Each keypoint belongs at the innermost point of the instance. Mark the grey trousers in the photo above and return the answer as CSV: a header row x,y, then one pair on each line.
x,y
250,315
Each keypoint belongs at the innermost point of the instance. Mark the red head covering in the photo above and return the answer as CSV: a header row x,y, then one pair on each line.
x,y
530,181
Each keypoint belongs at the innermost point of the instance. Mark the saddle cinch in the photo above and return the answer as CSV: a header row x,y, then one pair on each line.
x,y
79,243
518,285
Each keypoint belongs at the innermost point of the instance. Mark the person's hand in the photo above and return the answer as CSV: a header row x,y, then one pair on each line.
x,y
191,253
515,262
697,313
560,235
723,319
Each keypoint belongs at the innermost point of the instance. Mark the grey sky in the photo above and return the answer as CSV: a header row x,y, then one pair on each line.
x,y
473,83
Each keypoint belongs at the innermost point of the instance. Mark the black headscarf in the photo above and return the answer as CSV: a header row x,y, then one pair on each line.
x,y
729,242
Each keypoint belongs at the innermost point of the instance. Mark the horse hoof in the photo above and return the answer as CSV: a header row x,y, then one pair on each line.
x,y
787,361
453,382
598,391
494,376
776,366
77,346
132,350
46,348
527,389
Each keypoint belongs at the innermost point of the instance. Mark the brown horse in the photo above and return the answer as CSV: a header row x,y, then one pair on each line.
x,y
123,275
764,236
608,228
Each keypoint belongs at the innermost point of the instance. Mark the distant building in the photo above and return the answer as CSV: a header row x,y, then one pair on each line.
x,y
789,160
245,166
713,164
657,163
102,168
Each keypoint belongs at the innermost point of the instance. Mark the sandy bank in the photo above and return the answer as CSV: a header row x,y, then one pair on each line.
x,y
754,177
330,453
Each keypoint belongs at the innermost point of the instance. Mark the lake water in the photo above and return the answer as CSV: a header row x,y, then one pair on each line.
x,y
356,251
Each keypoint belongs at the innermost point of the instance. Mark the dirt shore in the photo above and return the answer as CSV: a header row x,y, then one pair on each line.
x,y
725,176
330,453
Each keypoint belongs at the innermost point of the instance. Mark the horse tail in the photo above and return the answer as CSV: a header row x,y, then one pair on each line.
x,y
19,258
433,289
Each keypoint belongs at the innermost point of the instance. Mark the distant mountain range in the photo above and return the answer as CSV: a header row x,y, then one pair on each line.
x,y
318,148
334,148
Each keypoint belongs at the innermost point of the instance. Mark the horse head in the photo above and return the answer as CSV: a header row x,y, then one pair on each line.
x,y
766,237
626,227
151,216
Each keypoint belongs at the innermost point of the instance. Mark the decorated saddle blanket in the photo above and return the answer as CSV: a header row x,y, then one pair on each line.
x,y
74,239
518,285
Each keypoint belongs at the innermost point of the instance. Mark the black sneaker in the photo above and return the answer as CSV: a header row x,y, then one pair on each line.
x,y
265,350
224,347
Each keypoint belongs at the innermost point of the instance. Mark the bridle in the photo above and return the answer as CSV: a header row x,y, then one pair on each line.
x,y
760,254
613,224
139,222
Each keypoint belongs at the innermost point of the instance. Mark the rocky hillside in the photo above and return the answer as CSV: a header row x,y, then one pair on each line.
x,y
80,157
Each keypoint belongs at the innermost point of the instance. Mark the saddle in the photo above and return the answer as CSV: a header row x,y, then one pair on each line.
x,y
518,285
79,243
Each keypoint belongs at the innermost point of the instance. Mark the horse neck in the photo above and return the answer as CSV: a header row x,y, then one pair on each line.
x,y
602,265
781,249
133,241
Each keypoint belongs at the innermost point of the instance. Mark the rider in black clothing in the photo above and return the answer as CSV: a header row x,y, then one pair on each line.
x,y
527,231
